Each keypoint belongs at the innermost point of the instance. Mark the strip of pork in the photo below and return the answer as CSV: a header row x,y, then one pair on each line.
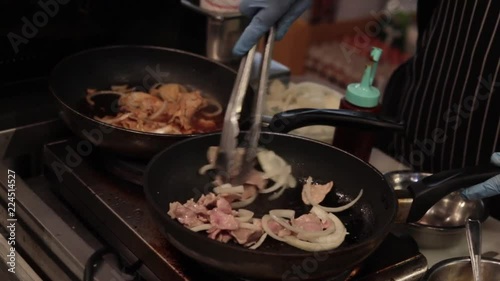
x,y
246,236
318,192
188,104
257,179
248,192
208,200
216,211
278,229
184,215
308,222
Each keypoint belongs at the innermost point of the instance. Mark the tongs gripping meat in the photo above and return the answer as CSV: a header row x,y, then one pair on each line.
x,y
226,164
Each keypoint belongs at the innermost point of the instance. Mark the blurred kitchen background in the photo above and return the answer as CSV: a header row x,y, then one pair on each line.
x,y
327,48
331,41
341,33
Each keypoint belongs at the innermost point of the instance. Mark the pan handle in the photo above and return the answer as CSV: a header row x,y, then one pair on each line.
x,y
290,120
431,189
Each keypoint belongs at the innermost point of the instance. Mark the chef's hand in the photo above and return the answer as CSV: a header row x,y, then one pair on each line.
x,y
486,189
264,15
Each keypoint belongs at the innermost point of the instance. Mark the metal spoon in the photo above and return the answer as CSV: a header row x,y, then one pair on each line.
x,y
473,231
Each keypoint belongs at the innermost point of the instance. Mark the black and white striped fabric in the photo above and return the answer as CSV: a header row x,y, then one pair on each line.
x,y
448,93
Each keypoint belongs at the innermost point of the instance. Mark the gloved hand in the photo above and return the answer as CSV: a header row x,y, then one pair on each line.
x,y
486,189
265,14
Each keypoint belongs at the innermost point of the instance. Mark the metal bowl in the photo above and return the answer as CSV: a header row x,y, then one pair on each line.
x,y
460,269
443,226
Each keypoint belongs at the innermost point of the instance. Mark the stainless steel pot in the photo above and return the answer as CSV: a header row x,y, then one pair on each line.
x,y
223,30
460,269
443,226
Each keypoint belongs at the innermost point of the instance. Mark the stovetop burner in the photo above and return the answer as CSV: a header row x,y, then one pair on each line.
x,y
117,210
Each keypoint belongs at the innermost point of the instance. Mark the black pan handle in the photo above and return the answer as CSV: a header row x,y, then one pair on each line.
x,y
290,120
431,189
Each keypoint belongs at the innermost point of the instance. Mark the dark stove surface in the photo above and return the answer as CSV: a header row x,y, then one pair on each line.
x,y
118,211
123,168
26,102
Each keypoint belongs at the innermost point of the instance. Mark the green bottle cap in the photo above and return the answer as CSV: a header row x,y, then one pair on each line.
x,y
364,94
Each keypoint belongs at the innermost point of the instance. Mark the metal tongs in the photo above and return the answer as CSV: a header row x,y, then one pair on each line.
x,y
228,164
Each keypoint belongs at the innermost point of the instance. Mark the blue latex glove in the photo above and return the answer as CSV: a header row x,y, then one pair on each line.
x,y
264,15
486,189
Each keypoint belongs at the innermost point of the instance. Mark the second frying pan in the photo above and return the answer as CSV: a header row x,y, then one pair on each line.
x,y
137,66
142,67
368,221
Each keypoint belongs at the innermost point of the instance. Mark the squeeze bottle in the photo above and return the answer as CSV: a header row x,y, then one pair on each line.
x,y
360,97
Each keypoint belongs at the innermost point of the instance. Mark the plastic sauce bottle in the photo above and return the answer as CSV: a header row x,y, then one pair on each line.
x,y
360,97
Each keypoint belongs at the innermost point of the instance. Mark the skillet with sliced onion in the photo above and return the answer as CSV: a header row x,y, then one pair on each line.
x,y
320,229
329,251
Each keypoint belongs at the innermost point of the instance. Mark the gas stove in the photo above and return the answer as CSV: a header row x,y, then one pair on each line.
x,y
92,187
85,210
78,217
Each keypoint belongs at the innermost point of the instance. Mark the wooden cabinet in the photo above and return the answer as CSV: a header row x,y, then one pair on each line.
x,y
292,50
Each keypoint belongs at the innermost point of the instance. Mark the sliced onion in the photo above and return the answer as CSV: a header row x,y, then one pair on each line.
x,y
274,187
229,190
226,185
245,213
122,88
202,227
281,181
203,170
276,169
336,237
169,129
250,226
216,112
160,111
114,120
278,194
304,233
329,209
322,214
309,246
243,219
259,243
345,207
283,213
271,163
286,225
212,154
292,182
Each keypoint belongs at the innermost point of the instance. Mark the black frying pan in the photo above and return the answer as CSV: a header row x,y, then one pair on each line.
x,y
173,176
140,66
144,66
